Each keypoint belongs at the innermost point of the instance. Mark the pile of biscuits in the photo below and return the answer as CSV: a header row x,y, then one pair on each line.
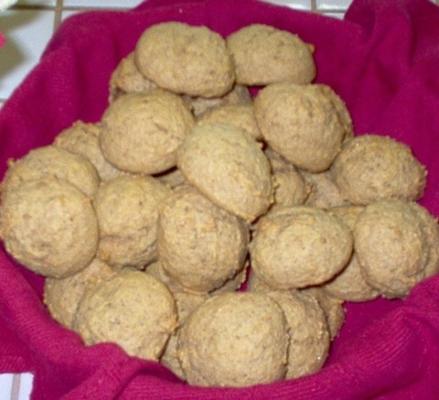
x,y
145,223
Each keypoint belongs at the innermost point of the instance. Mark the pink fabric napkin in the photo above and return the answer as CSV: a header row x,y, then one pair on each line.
x,y
383,59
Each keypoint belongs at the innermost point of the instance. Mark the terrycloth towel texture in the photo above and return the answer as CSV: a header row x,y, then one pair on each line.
x,y
383,59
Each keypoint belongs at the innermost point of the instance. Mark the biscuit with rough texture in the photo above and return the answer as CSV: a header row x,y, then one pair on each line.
x,y
391,246
126,78
324,192
187,303
229,168
185,59
371,168
238,95
83,139
298,247
62,296
302,123
131,309
128,210
264,54
200,245
49,226
141,132
51,161
308,330
431,230
216,348
350,284
332,307
241,116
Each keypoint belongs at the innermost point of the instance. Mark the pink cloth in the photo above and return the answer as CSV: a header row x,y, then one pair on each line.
x,y
383,60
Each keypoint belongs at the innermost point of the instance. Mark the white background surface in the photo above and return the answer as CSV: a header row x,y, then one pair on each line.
x,y
28,28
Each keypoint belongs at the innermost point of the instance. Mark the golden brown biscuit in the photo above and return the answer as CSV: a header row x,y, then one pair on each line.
x,y
128,210
131,309
126,78
302,123
229,168
308,330
83,139
49,226
372,168
141,132
298,247
62,296
238,95
349,284
332,307
324,192
391,246
216,348
51,161
431,230
200,245
241,116
185,59
264,54
187,303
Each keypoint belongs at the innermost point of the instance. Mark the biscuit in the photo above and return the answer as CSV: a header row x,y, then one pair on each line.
x,y
229,168
215,348
264,55
51,161
332,307
302,123
185,59
128,210
241,116
308,330
141,132
49,226
431,230
126,78
372,168
298,247
62,296
350,284
391,246
187,303
200,245
131,309
83,139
